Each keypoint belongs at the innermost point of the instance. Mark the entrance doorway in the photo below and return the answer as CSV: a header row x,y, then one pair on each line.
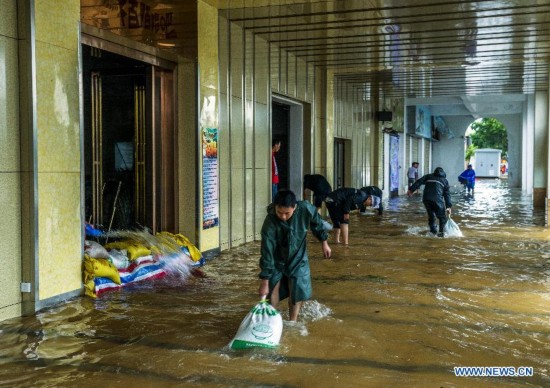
x,y
129,138
342,163
287,126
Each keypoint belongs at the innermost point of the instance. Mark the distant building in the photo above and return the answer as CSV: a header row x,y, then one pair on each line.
x,y
487,162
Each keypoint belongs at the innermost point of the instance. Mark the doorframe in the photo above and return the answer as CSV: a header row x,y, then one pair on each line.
x,y
159,60
295,140
105,40
346,162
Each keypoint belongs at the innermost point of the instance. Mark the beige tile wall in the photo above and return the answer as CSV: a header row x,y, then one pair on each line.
x,y
10,177
246,128
250,70
8,27
208,90
187,157
58,147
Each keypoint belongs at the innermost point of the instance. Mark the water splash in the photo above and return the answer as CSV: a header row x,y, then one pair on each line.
x,y
300,327
177,263
164,243
420,231
312,311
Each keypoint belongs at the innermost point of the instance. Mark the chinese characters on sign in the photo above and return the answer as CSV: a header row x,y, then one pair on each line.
x,y
135,19
210,177
136,14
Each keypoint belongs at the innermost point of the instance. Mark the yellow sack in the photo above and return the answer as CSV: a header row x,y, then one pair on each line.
x,y
89,288
183,241
88,276
134,249
100,268
193,250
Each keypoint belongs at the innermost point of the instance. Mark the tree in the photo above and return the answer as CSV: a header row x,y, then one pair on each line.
x,y
489,133
470,151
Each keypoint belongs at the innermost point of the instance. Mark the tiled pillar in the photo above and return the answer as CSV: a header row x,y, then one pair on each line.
x,y
10,177
50,151
209,237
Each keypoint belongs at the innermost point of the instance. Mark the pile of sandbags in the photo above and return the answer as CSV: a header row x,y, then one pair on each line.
x,y
136,258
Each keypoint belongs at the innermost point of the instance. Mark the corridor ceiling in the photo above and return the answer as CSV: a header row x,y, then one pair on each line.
x,y
461,55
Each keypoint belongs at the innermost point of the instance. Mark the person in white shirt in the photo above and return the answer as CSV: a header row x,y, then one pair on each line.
x,y
412,174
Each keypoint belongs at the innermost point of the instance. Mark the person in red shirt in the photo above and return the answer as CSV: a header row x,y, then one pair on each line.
x,y
275,147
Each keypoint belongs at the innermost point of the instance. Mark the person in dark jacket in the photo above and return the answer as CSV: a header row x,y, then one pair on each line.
x,y
375,201
320,187
340,203
284,264
436,198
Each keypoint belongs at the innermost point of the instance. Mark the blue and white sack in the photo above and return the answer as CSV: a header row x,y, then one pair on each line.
x,y
261,328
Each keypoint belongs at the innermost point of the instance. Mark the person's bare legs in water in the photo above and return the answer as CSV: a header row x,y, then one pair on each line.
x,y
293,308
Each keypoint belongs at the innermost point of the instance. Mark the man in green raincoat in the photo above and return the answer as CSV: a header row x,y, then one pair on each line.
x,y
284,264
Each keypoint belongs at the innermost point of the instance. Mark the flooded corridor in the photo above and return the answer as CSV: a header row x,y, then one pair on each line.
x,y
397,307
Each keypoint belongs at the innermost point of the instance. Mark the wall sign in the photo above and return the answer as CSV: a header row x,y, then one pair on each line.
x,y
210,216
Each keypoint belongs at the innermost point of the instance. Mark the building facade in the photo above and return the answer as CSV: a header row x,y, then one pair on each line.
x,y
104,122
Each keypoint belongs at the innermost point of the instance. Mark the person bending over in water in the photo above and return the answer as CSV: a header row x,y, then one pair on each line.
x,y
319,186
375,195
284,263
339,204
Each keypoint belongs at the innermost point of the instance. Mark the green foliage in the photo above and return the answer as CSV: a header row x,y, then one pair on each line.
x,y
489,133
470,152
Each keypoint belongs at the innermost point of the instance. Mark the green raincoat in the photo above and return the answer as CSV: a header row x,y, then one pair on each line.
x,y
284,254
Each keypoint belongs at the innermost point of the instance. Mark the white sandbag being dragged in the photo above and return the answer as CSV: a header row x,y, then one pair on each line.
x,y
261,327
451,228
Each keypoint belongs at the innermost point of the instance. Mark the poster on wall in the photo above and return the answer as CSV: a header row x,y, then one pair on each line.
x,y
394,165
423,125
210,201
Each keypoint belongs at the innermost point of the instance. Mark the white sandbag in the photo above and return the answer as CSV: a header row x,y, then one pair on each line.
x,y
451,228
261,327
119,258
95,250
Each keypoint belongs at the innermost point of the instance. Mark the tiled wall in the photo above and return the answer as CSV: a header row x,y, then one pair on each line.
x,y
187,157
353,121
10,184
250,70
57,148
208,96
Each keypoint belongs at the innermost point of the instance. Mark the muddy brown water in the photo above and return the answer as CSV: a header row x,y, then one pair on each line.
x,y
397,307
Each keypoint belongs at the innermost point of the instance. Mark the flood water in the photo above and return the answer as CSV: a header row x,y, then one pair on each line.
x,y
397,307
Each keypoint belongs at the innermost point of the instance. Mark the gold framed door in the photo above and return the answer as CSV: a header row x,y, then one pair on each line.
x,y
163,134
130,143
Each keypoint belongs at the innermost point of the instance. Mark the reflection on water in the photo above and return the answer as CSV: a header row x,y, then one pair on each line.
x,y
398,307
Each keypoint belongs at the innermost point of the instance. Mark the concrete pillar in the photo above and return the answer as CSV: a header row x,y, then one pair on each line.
x,y
516,158
527,145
